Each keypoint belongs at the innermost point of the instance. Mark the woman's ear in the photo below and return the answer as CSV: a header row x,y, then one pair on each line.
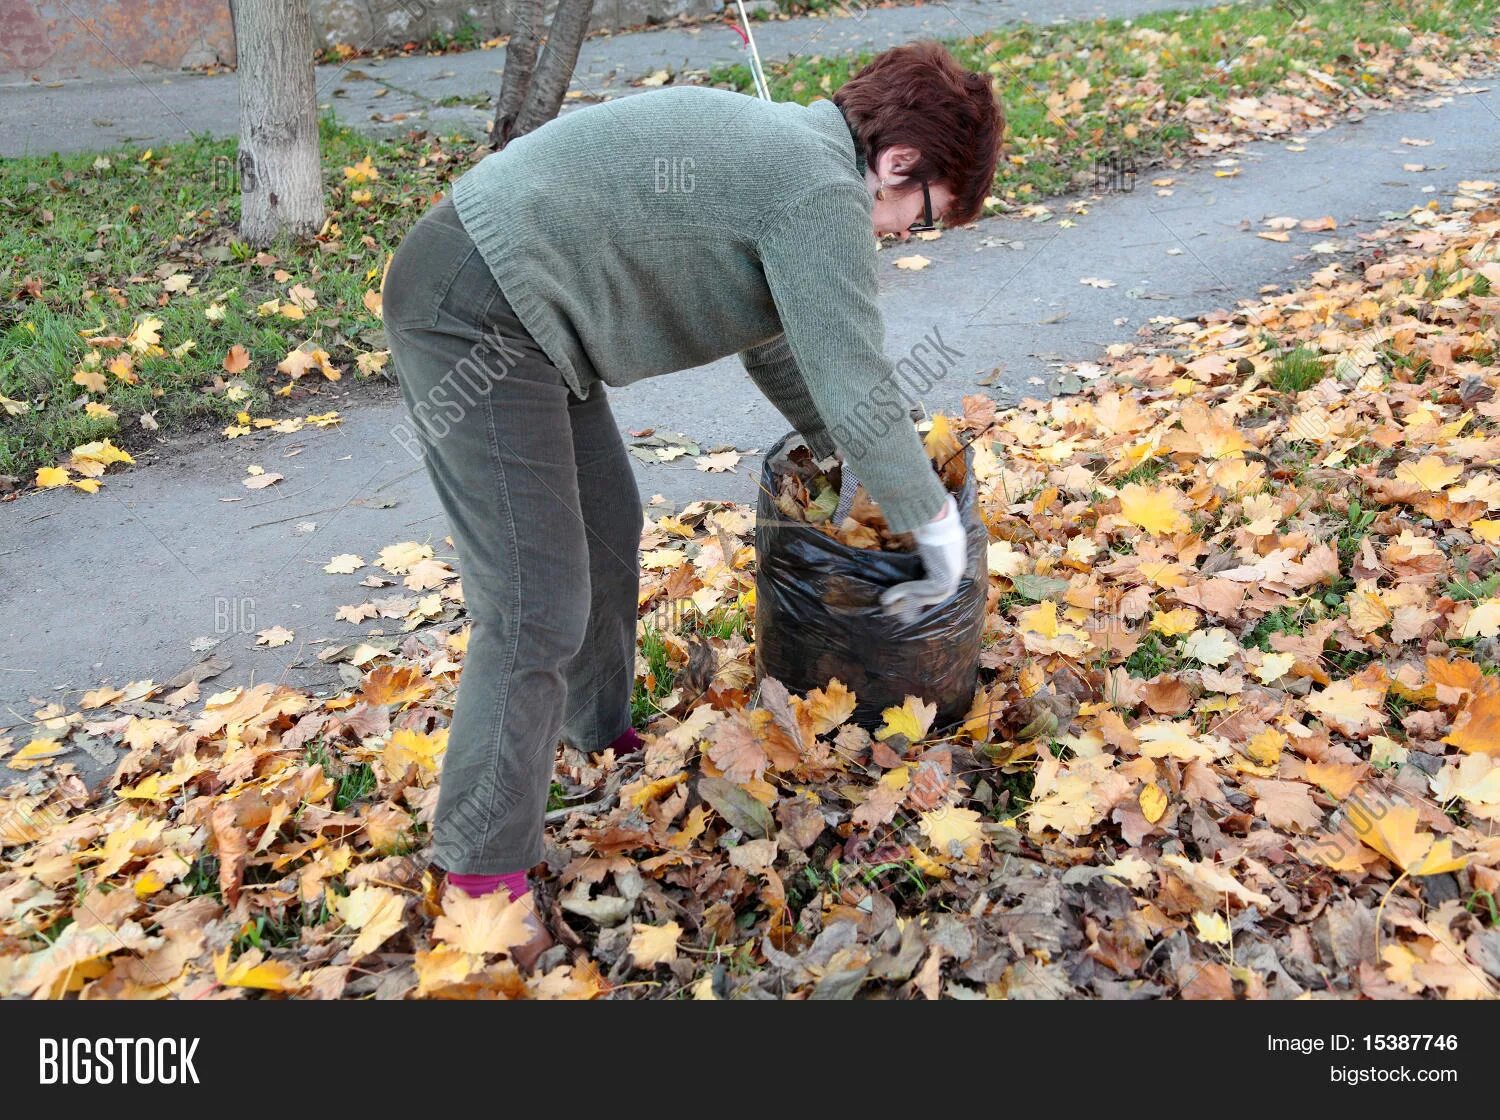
x,y
897,160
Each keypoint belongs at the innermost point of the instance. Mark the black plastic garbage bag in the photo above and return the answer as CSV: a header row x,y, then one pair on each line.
x,y
818,613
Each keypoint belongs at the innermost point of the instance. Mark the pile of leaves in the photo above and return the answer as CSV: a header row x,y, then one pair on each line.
x,y
808,491
1237,732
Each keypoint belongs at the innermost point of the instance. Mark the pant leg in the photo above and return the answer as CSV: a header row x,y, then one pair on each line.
x,y
492,417
601,675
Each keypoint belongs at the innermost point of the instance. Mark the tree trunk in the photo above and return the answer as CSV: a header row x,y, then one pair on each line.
x,y
281,174
520,64
523,108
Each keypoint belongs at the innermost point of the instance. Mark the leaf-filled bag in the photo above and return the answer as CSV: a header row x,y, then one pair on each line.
x,y
818,614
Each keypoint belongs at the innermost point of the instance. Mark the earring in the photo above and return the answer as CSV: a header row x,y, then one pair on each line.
x,y
880,191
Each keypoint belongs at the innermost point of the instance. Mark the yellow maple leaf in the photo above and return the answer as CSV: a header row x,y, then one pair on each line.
x,y
1004,560
1041,619
49,477
407,746
1336,778
1212,928
1367,612
1166,739
651,791
123,368
1274,666
911,719
441,968
90,379
145,334
1212,647
1265,748
34,753
125,842
953,833
103,452
1476,779
1170,624
1394,833
1349,708
375,911
491,923
252,970
1477,728
1429,472
692,828
364,171
653,945
1483,620
1156,510
399,558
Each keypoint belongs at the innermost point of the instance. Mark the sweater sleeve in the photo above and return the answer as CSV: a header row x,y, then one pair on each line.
x,y
774,371
819,260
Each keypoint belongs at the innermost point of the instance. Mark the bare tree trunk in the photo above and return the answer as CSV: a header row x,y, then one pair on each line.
x,y
281,174
527,105
520,64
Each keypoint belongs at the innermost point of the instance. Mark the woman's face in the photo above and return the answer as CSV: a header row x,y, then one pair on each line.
x,y
902,204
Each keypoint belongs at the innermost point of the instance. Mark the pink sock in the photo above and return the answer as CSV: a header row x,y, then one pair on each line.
x,y
628,742
478,885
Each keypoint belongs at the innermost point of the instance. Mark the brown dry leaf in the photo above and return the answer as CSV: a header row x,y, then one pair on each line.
x,y
237,360
1287,805
737,751
273,637
259,478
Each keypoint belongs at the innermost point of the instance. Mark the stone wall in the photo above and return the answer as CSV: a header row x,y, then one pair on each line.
x,y
55,39
76,38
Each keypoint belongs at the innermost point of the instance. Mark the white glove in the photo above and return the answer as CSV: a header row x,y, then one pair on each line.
x,y
847,489
942,545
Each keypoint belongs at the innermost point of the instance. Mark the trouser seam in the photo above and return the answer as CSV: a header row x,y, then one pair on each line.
x,y
497,711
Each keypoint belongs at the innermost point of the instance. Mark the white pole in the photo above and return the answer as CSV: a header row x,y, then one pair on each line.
x,y
761,88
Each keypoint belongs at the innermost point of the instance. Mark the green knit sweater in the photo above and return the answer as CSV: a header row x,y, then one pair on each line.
x,y
668,229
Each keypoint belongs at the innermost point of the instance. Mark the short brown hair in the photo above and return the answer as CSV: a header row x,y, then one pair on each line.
x,y
919,95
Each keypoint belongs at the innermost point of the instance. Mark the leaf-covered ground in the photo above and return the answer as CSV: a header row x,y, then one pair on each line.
x,y
1236,736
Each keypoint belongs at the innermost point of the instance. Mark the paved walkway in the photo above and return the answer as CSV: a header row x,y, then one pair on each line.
x,y
368,94
116,586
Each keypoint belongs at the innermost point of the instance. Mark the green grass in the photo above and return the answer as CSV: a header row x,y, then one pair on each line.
x,y
1356,526
87,241
357,783
650,689
1283,620
1463,589
1144,473
1145,72
1151,657
1297,370
354,782
1489,913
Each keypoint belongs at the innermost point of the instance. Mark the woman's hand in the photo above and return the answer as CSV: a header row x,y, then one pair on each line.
x,y
941,544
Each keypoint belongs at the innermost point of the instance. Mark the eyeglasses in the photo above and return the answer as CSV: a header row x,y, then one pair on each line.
x,y
926,223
